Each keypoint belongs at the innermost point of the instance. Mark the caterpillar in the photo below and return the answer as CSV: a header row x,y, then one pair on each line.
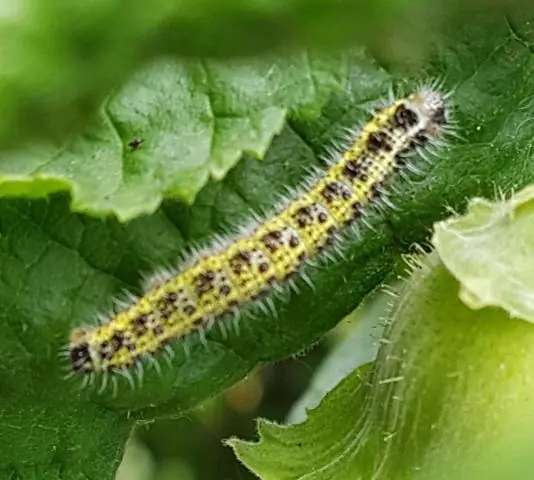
x,y
242,269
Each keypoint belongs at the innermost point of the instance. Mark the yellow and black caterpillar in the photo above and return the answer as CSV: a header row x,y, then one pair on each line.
x,y
208,287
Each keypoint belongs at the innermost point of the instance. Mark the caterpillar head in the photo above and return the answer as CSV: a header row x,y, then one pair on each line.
x,y
430,107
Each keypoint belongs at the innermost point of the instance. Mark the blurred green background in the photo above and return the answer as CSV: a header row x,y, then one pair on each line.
x,y
191,448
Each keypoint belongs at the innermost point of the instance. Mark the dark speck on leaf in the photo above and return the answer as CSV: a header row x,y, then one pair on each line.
x,y
135,143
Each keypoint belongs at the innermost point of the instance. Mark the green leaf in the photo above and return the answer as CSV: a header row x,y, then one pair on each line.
x,y
357,349
172,127
55,73
60,59
317,449
60,268
428,409
490,250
